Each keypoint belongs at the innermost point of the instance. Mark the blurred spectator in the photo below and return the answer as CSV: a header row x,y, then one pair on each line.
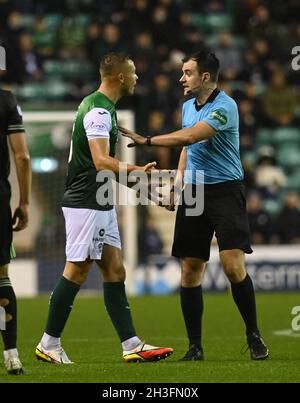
x,y
92,39
288,221
260,24
248,123
269,177
229,55
279,101
190,39
140,12
165,30
43,39
265,58
149,240
110,41
31,61
161,96
71,38
157,125
259,220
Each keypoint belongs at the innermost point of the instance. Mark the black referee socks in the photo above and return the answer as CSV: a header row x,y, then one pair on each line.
x,y
192,308
244,297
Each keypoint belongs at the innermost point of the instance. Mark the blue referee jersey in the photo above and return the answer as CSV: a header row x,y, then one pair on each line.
x,y
218,157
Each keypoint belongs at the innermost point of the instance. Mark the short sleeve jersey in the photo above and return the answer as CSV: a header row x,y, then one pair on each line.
x,y
96,118
10,122
217,157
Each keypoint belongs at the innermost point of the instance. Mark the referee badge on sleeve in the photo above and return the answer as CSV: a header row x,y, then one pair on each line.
x,y
219,116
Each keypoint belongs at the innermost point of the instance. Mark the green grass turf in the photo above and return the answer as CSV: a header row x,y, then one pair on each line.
x,y
90,341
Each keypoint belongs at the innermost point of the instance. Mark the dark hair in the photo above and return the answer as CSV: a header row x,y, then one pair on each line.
x,y
112,63
206,61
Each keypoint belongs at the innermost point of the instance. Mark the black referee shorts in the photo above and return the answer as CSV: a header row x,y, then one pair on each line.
x,y
5,232
224,214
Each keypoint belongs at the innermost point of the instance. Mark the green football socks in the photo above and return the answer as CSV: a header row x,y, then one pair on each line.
x,y
61,302
9,303
118,309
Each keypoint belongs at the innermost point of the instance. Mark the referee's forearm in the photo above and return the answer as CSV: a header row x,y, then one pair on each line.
x,y
184,137
179,138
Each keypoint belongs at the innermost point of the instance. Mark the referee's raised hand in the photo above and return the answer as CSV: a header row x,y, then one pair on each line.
x,y
137,139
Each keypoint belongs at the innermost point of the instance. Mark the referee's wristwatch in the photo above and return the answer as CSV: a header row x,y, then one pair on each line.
x,y
149,144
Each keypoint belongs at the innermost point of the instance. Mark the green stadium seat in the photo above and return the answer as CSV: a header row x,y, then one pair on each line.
x,y
31,91
288,156
28,21
56,89
272,206
53,21
249,157
286,134
83,19
47,91
264,137
199,21
293,182
67,69
213,41
44,39
219,22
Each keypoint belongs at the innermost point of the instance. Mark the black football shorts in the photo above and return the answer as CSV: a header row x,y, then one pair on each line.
x,y
224,214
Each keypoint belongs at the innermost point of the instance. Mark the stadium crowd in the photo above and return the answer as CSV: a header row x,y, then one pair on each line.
x,y
53,52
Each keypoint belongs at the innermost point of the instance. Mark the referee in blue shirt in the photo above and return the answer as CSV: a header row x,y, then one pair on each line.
x,y
210,137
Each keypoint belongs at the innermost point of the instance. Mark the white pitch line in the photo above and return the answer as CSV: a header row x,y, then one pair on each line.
x,y
286,332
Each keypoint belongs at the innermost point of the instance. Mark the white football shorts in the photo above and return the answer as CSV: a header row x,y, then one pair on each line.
x,y
87,231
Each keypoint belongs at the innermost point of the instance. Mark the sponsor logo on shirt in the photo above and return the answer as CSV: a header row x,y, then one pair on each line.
x,y
97,126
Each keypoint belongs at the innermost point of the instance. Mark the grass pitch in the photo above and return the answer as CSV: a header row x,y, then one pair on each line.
x,y
91,343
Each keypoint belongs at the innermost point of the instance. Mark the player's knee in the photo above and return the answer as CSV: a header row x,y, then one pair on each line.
x,y
78,276
120,273
4,271
114,274
191,276
234,272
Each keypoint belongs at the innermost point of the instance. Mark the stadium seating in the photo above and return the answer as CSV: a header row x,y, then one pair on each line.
x,y
68,68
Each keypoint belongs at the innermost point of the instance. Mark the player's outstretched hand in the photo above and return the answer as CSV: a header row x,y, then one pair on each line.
x,y
149,167
172,201
138,140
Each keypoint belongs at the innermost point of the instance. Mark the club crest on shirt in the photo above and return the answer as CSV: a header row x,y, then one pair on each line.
x,y
217,115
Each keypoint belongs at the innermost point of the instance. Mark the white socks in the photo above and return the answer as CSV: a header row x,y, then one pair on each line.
x,y
131,343
49,342
13,352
